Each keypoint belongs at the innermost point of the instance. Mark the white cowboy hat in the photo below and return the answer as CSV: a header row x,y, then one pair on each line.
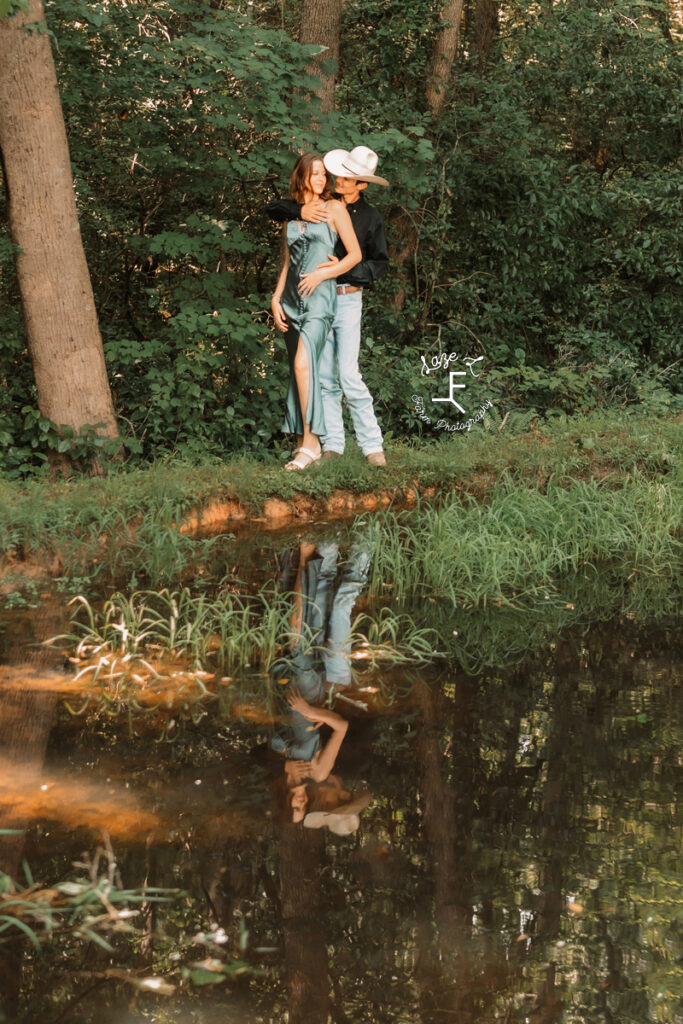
x,y
360,163
342,820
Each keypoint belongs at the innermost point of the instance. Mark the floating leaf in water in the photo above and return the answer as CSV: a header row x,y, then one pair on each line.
x,y
72,888
150,984
158,985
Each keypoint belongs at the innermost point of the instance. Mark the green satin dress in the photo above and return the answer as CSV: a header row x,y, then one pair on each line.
x,y
309,318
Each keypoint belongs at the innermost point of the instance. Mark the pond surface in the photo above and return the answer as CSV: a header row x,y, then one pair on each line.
x,y
498,845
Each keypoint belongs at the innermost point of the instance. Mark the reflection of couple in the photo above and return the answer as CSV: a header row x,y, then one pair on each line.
x,y
311,734
335,248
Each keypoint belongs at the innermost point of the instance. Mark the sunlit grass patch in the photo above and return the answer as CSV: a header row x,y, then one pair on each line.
x,y
177,650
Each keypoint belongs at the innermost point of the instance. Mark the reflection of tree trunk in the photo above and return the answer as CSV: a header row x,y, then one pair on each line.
x,y
555,834
26,713
148,908
447,817
321,26
301,851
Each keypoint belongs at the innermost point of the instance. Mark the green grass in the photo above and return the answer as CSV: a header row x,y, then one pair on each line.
x,y
522,542
126,522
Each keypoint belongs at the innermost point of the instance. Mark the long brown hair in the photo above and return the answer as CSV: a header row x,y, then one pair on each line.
x,y
301,176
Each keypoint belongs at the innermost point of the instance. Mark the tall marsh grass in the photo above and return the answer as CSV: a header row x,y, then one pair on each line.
x,y
523,542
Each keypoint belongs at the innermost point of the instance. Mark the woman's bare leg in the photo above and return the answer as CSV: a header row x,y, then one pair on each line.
x,y
301,374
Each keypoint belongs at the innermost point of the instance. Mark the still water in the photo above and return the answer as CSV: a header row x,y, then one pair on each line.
x,y
403,843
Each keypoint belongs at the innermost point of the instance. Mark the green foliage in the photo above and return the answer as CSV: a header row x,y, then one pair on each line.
x,y
9,7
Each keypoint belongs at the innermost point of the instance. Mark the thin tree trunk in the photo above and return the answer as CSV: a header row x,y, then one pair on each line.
x,y
321,26
59,310
485,29
443,55
408,225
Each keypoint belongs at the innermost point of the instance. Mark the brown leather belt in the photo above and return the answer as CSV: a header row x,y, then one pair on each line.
x,y
346,289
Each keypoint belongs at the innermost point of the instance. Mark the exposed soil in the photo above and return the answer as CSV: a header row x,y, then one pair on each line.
x,y
218,515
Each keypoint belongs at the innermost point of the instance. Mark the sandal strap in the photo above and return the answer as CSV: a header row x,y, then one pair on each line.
x,y
308,454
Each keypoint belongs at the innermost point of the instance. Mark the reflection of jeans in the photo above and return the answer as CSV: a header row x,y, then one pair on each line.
x,y
339,374
353,579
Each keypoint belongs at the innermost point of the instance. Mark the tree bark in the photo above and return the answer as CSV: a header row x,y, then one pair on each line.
x,y
62,331
485,29
443,55
408,225
321,26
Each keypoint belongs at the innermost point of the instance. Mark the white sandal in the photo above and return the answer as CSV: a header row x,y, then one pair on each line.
x,y
310,457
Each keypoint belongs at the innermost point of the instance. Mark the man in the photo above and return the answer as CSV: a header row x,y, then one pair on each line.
x,y
339,372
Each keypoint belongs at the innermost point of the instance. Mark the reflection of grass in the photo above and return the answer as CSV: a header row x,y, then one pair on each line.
x,y
520,545
496,638
171,649
93,905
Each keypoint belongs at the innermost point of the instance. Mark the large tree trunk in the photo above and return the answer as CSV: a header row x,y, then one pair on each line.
x,y
61,322
443,55
321,26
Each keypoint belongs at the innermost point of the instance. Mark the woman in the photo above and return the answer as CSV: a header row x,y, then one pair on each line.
x,y
305,299
309,760
308,735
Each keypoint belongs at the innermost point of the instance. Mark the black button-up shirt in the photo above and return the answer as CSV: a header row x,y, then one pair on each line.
x,y
369,227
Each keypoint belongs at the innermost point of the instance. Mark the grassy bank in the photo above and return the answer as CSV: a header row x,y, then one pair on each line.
x,y
100,527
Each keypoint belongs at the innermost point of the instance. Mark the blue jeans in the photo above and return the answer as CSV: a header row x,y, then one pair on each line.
x,y
340,376
354,576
